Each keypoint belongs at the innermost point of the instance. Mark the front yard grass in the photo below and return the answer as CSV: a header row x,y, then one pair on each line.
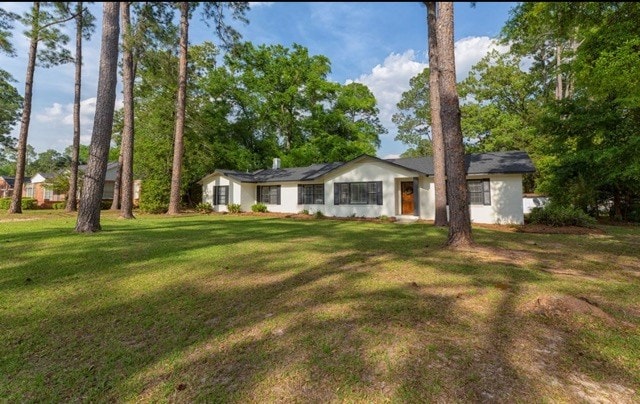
x,y
237,308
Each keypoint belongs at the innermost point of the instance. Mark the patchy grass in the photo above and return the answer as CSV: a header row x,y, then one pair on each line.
x,y
240,308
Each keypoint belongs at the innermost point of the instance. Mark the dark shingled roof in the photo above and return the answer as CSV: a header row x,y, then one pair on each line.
x,y
510,162
8,180
283,174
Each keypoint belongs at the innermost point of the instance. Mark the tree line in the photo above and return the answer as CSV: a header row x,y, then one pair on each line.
x,y
566,91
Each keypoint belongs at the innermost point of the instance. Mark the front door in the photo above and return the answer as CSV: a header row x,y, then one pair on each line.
x,y
406,190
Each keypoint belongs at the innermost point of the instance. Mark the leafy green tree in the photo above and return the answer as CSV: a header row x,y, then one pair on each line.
x,y
49,161
214,12
43,27
595,136
154,120
10,105
503,104
285,106
413,118
10,99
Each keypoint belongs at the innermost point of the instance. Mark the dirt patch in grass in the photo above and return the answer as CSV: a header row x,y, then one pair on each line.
x,y
541,228
564,307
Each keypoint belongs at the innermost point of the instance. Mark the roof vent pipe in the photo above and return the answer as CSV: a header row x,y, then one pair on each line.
x,y
276,163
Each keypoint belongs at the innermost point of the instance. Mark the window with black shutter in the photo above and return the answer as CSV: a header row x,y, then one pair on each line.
x,y
269,194
479,192
221,195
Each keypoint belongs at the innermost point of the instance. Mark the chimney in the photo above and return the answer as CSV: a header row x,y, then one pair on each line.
x,y
276,163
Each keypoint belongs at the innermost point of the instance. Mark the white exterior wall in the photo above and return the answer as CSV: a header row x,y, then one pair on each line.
x,y
288,197
244,194
506,194
427,199
218,180
506,201
365,171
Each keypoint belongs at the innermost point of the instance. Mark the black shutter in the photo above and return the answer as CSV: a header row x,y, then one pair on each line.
x,y
226,195
336,193
278,201
215,195
486,191
258,194
300,192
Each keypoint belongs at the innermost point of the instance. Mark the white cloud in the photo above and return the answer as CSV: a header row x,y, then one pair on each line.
x,y
53,128
391,156
389,80
469,51
256,4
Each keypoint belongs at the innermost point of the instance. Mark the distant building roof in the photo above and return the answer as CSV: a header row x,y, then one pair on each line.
x,y
8,180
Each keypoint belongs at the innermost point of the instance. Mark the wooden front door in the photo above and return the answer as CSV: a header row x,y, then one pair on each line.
x,y
406,191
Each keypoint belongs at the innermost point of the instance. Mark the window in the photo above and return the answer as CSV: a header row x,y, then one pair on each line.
x,y
312,194
29,191
358,193
48,193
220,194
269,194
479,192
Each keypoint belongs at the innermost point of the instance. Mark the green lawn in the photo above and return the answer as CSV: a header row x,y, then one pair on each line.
x,y
240,308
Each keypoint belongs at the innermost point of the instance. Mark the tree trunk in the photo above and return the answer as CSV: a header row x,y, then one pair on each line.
x,y
457,194
439,178
178,145
16,199
117,184
93,186
126,146
559,86
72,201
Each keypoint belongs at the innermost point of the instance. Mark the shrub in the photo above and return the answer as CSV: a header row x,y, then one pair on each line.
x,y
384,218
204,207
558,215
318,215
259,207
105,205
153,206
26,204
59,205
304,212
234,208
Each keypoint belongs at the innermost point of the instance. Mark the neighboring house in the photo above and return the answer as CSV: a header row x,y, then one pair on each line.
x,y
6,186
34,188
371,187
110,180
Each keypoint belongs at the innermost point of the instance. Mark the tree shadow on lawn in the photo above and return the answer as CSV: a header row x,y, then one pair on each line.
x,y
340,328
46,255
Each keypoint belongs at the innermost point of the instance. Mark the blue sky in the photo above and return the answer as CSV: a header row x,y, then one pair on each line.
x,y
381,45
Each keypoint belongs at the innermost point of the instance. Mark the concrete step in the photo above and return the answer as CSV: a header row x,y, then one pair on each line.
x,y
405,219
